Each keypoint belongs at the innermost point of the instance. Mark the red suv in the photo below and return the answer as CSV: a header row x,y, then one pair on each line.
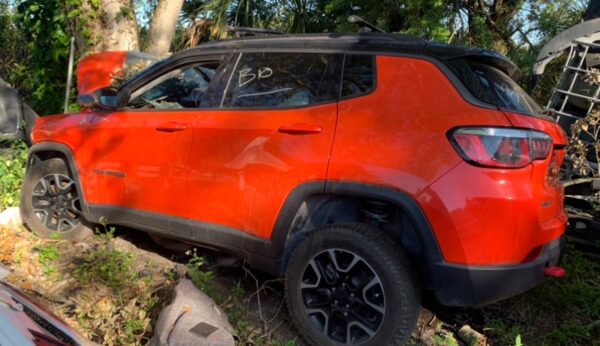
x,y
361,167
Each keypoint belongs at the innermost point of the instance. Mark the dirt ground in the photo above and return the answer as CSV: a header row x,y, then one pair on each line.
x,y
121,309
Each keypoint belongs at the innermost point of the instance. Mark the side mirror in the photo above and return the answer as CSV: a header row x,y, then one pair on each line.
x,y
104,98
11,113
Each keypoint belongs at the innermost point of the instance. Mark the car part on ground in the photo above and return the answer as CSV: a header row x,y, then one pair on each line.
x,y
16,118
23,323
192,318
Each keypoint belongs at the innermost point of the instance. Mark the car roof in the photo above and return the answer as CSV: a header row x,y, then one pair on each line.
x,y
369,42
375,43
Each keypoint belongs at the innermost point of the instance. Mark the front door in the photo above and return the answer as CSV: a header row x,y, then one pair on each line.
x,y
138,154
272,132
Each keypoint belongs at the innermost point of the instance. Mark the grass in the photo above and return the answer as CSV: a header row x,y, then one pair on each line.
x,y
47,255
562,311
106,265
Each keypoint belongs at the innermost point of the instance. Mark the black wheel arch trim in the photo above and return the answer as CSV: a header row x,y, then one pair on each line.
x,y
282,244
70,162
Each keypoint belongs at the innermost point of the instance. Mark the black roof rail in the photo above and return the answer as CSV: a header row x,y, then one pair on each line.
x,y
238,31
363,25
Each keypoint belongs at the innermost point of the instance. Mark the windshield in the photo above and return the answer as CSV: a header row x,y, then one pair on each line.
x,y
491,85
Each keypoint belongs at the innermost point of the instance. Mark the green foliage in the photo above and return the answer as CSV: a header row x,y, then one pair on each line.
x,y
11,40
560,312
12,172
44,25
107,234
106,265
48,254
134,329
518,340
203,279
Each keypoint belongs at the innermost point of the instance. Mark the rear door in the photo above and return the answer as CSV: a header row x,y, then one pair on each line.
x,y
273,131
139,154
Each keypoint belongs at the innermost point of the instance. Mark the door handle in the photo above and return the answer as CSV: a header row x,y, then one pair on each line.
x,y
171,127
300,129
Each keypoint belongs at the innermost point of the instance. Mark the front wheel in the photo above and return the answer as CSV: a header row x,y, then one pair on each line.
x,y
351,284
50,202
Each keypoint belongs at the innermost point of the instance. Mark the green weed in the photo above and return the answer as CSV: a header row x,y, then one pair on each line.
x,y
559,312
12,172
48,254
201,278
108,266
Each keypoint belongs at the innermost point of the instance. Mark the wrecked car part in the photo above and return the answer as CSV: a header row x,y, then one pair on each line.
x,y
11,112
559,44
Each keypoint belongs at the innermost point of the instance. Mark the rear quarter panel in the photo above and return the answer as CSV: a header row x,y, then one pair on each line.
x,y
396,136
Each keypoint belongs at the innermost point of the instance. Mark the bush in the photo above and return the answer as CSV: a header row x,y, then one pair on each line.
x,y
13,156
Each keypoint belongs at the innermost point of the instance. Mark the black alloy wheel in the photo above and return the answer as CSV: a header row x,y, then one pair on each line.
x,y
351,284
51,204
343,296
56,203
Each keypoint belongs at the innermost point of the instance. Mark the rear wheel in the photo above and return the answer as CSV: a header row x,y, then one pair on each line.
x,y
50,202
350,284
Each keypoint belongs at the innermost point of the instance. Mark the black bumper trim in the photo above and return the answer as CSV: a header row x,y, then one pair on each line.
x,y
458,285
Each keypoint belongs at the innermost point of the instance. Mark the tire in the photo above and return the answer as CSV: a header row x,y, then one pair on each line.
x,y
58,210
387,300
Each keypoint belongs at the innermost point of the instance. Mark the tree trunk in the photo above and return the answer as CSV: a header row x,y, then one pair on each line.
x,y
162,28
113,26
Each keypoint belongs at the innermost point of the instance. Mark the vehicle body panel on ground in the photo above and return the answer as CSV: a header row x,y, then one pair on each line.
x,y
23,322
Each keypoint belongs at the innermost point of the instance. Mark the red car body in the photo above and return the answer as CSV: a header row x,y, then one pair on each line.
x,y
236,171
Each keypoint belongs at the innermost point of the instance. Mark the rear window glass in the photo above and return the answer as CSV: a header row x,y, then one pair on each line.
x,y
359,75
493,86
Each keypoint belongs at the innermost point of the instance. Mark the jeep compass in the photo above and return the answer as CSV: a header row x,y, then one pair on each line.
x,y
363,168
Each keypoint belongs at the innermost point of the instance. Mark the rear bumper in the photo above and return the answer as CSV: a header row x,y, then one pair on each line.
x,y
461,285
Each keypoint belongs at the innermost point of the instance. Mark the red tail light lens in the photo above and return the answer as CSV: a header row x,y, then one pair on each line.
x,y
501,147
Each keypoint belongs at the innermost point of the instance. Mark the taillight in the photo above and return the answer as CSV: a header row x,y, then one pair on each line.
x,y
500,147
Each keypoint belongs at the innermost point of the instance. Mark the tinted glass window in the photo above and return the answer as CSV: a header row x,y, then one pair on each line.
x,y
493,86
178,89
359,75
273,80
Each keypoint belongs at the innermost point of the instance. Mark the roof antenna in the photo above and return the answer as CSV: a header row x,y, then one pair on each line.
x,y
363,25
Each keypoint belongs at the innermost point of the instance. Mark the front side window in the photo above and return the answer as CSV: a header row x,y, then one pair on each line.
x,y
182,88
281,80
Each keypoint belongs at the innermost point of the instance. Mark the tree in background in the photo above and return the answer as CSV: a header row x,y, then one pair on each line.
x,y
162,28
36,33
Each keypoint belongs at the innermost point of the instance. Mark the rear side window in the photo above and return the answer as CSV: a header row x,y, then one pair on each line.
x,y
359,75
282,80
493,86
